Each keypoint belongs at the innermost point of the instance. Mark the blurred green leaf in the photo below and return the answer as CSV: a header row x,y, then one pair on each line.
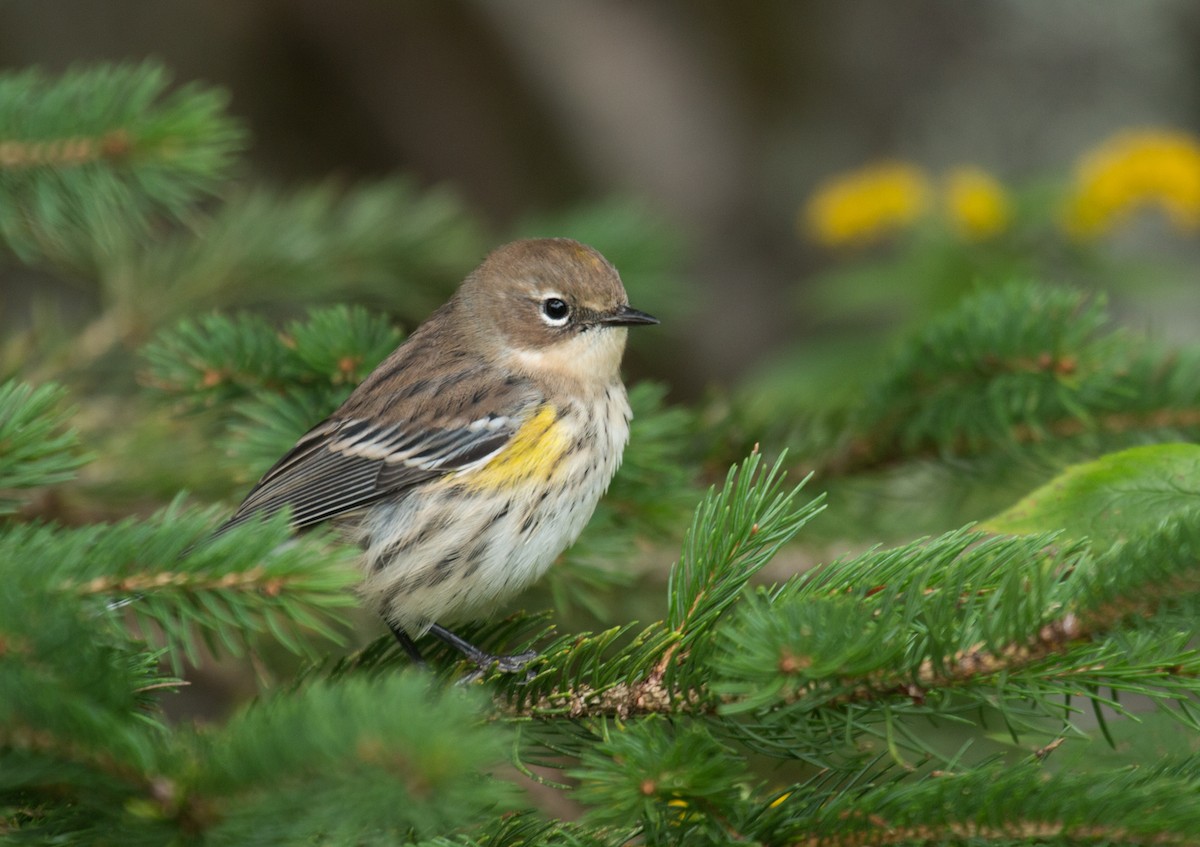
x,y
1110,498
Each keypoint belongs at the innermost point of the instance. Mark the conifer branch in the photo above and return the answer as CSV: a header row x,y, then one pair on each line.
x,y
648,696
1014,806
391,754
95,154
176,586
388,243
112,146
865,455
1011,369
734,532
1037,633
52,745
876,831
1057,636
257,579
37,445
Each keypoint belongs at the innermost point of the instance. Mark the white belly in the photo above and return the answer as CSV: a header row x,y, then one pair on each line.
x,y
449,551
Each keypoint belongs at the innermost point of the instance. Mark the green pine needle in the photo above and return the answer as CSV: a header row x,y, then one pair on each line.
x,y
96,154
390,757
37,446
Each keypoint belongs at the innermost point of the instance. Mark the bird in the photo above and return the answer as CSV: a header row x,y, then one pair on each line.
x,y
477,451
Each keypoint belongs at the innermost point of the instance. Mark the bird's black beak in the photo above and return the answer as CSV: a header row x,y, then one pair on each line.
x,y
627,316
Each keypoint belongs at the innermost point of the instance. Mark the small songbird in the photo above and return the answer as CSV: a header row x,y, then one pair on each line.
x,y
477,451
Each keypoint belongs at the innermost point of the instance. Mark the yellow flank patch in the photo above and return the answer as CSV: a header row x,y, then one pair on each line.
x,y
534,451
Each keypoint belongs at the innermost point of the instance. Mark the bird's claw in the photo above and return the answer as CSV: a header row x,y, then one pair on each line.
x,y
484,662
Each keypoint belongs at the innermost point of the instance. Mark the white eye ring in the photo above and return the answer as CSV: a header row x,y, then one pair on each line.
x,y
555,311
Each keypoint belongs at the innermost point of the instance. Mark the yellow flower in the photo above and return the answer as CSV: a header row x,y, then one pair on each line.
x,y
867,204
1132,170
976,202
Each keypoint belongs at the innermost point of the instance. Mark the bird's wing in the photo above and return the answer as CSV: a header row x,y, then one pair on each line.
x,y
345,464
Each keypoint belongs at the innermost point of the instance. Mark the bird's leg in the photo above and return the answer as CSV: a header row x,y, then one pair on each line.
x,y
483,660
407,643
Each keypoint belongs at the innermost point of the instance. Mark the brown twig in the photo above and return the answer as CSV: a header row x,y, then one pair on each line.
x,y
65,152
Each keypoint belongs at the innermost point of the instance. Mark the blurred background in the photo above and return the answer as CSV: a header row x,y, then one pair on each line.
x,y
722,119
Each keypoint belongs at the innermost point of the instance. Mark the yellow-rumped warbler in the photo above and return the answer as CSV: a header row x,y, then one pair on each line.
x,y
477,451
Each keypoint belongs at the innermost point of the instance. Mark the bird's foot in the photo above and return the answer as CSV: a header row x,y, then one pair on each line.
x,y
481,659
514,663
485,662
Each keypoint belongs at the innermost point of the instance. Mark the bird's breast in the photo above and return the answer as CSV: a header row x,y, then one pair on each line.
x,y
470,539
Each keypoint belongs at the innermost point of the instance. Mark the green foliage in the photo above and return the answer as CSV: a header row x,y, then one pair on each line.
x,y
367,761
981,375
218,359
664,777
173,584
1011,385
110,179
37,447
364,761
96,155
1108,499
1008,806
73,691
917,629
1017,365
390,242
733,534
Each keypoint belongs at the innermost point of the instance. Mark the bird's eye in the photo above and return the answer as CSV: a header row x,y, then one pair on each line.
x,y
554,311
